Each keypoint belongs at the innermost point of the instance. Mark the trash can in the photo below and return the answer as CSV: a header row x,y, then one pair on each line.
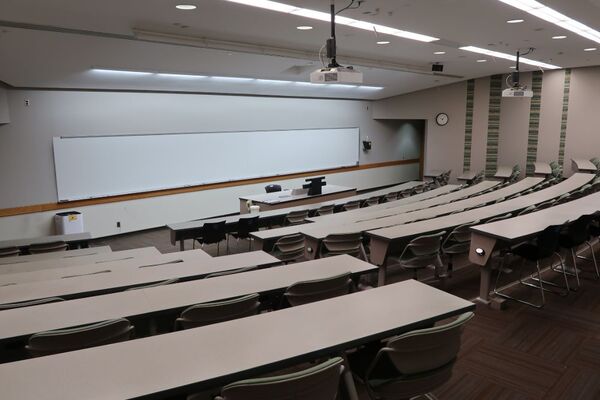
x,y
68,222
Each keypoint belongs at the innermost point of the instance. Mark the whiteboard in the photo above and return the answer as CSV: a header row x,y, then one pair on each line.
x,y
100,166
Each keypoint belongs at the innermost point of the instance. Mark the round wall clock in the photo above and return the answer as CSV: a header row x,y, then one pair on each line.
x,y
442,119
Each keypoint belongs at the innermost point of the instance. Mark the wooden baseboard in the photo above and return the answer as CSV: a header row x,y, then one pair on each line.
x,y
35,208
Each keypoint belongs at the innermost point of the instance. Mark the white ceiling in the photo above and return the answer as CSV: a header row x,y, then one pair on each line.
x,y
94,33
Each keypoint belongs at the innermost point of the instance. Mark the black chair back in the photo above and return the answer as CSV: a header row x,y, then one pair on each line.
x,y
213,232
578,230
547,242
245,226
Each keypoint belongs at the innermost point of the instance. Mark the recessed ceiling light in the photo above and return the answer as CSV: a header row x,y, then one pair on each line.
x,y
324,16
481,61
186,7
559,37
304,28
439,53
515,21
539,10
513,67
591,49
510,57
383,42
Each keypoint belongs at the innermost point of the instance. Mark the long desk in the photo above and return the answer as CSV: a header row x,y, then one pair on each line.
x,y
583,165
59,263
201,358
503,172
467,176
265,239
315,233
286,198
21,322
53,255
192,229
542,169
118,264
387,241
486,237
100,283
368,213
73,240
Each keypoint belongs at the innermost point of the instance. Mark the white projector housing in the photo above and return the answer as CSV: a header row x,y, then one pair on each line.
x,y
336,75
517,92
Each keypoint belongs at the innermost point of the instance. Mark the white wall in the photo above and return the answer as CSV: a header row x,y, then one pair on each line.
x,y
26,161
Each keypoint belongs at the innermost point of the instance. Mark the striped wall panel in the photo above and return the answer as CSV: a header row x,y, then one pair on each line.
x,y
493,134
534,121
469,125
565,113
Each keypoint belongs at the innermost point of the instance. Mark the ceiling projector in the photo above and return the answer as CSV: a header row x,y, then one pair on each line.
x,y
517,91
336,75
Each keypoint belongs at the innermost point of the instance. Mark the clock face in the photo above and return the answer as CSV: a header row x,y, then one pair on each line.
x,y
442,119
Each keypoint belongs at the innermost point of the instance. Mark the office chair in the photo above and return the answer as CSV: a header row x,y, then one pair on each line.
x,y
218,311
82,337
245,227
212,232
320,382
423,252
318,289
418,362
543,247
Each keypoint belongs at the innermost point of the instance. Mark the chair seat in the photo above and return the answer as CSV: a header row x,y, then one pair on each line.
x,y
420,262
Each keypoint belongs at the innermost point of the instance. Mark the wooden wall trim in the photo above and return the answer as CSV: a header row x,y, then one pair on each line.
x,y
7,212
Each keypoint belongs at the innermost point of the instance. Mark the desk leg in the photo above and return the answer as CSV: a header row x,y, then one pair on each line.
x,y
381,275
349,380
181,245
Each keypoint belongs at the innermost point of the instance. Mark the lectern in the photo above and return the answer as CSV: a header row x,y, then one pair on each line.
x,y
315,185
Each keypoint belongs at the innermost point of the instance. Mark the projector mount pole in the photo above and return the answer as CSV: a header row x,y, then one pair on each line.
x,y
331,42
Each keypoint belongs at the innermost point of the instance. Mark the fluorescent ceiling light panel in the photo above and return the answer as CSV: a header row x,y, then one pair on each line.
x,y
121,72
322,16
181,76
539,10
509,57
232,79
